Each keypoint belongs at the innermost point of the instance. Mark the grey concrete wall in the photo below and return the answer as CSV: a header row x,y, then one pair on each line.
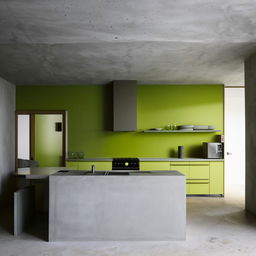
x,y
7,140
250,115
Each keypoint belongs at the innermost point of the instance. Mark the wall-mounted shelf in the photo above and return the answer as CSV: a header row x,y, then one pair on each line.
x,y
181,131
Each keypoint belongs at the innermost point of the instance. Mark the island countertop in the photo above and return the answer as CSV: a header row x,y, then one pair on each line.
x,y
148,206
45,172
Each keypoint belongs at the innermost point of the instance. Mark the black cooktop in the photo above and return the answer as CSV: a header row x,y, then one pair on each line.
x,y
126,163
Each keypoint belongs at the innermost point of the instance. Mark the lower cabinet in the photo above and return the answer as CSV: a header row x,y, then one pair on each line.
x,y
72,165
99,166
205,177
217,178
152,166
182,167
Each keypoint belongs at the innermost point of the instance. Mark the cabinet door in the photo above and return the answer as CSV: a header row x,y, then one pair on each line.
x,y
155,166
200,170
182,167
216,177
103,166
99,166
72,165
85,166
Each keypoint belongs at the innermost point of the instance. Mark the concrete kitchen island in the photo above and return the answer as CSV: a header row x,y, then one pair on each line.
x,y
148,206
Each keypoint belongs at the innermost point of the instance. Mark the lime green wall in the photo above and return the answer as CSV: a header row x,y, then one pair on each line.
x,y
90,117
48,141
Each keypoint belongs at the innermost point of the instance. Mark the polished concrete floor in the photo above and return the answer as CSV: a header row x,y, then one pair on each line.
x,y
215,226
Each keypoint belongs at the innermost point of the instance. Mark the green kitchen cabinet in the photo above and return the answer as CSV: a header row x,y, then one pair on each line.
x,y
182,167
217,178
199,180
199,170
99,166
198,187
72,165
154,166
197,176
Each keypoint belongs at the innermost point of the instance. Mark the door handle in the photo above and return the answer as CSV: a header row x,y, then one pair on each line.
x,y
229,153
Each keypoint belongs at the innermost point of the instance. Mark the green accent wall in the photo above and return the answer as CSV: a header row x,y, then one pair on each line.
x,y
90,117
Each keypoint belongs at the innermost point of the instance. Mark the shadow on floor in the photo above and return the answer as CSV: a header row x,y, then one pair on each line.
x,y
6,219
39,226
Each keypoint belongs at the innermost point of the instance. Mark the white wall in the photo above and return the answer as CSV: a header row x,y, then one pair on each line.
x,y
7,140
23,137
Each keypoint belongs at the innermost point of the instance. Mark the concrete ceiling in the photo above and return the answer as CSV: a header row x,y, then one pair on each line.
x,y
59,42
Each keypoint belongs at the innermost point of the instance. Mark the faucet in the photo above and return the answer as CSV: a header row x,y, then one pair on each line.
x,y
93,169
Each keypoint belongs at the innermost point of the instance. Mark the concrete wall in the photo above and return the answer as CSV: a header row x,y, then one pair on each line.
x,y
250,114
7,140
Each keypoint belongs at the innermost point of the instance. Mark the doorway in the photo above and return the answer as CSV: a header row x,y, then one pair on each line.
x,y
234,140
40,138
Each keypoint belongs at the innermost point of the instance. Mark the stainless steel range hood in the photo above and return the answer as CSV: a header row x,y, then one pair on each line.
x,y
124,105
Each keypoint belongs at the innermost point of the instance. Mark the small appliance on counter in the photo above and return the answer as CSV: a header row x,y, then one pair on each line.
x,y
180,151
125,164
214,150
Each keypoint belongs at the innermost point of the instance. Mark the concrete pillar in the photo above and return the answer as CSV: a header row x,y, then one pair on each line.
x,y
7,141
250,116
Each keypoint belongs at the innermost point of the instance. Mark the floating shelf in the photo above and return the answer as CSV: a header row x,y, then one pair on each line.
x,y
180,131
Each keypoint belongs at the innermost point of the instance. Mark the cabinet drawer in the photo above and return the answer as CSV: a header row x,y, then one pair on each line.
x,y
155,166
199,172
199,189
182,169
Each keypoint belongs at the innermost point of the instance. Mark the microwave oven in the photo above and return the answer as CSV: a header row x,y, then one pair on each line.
x,y
213,150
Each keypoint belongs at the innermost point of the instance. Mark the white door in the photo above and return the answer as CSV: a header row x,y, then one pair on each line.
x,y
234,140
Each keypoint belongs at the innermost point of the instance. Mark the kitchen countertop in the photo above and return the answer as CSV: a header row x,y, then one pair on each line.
x,y
106,173
38,172
146,159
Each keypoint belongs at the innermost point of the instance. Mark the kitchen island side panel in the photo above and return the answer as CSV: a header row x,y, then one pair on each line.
x,y
128,208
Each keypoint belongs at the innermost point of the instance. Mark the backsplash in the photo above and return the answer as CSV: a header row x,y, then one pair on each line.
x,y
90,117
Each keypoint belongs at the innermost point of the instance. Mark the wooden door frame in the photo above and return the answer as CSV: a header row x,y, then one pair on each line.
x,y
32,114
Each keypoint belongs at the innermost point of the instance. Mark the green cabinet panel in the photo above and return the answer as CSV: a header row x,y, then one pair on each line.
x,y
202,177
216,177
155,166
72,165
182,167
85,166
99,166
198,188
199,170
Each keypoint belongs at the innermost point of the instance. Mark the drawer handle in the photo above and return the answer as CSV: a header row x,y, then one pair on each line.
x,y
180,164
199,165
198,182
190,165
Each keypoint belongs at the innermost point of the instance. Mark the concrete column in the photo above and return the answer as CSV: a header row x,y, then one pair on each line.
x,y
7,140
250,116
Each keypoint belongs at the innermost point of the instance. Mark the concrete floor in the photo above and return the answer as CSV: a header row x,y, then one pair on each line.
x,y
215,226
